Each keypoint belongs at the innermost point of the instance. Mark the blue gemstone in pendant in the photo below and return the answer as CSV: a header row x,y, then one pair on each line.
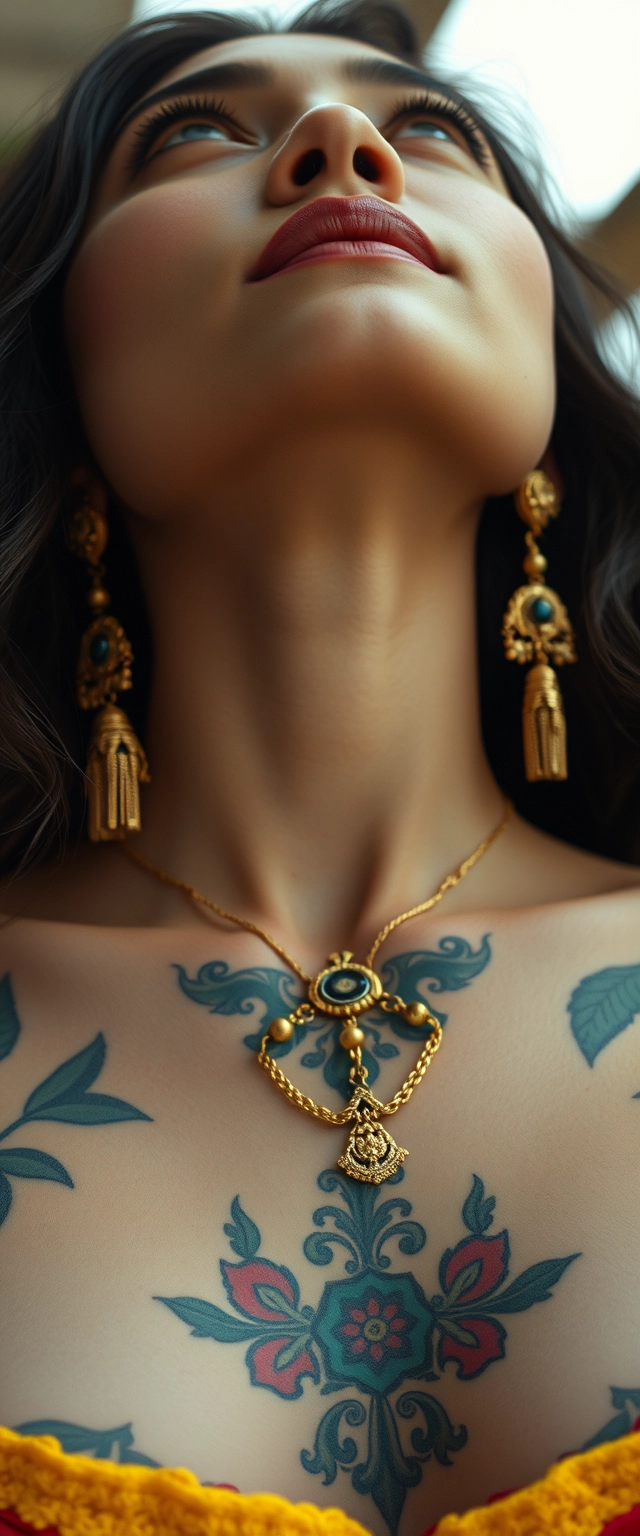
x,y
344,985
541,610
99,649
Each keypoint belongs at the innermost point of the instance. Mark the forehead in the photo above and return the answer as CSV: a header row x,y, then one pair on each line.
x,y
306,61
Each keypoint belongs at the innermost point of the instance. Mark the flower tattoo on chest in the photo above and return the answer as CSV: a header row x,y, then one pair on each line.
x,y
374,1329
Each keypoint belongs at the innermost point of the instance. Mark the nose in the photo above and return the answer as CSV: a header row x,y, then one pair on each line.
x,y
336,149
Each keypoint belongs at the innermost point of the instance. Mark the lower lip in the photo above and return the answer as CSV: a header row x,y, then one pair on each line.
x,y
341,250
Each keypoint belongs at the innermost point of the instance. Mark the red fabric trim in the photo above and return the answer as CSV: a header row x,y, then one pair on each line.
x,y
12,1525
494,1498
624,1525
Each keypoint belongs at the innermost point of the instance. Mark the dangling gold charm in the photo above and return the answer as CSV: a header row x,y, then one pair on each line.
x,y
371,1154
543,723
116,764
536,627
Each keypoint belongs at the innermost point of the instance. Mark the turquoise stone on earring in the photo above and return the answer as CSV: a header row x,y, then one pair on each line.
x,y
99,649
541,610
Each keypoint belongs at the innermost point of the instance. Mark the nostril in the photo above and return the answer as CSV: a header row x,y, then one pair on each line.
x,y
365,165
308,166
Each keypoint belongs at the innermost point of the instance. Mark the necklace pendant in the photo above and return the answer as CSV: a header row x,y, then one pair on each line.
x,y
371,1154
344,987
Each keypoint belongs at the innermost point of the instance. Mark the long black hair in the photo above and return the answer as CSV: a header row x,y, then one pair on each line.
x,y
593,549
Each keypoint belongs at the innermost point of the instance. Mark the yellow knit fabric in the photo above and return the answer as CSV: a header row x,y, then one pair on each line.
x,y
82,1497
576,1498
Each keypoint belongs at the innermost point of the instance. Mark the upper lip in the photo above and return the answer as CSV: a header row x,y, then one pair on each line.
x,y
343,218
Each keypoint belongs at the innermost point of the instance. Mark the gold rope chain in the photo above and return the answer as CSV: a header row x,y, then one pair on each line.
x,y
371,1154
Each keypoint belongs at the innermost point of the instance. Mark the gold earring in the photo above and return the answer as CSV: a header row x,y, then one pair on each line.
x,y
536,627
116,763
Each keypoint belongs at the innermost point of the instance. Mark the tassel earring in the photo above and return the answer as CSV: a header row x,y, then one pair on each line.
x,y
536,627
116,763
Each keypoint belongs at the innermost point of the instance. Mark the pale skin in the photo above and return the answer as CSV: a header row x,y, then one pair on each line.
x,y
302,463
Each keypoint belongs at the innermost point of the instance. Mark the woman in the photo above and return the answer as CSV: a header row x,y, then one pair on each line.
x,y
283,317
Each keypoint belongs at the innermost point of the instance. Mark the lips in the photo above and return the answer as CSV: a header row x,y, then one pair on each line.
x,y
341,227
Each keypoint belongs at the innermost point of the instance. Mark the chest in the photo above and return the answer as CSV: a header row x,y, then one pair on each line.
x,y
188,1277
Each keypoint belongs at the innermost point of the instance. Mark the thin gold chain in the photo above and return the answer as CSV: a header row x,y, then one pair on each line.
x,y
205,901
341,1116
446,885
244,922
358,1074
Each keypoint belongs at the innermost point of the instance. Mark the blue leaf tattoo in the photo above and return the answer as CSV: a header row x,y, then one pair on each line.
x,y
242,1232
602,1005
477,1212
627,1401
207,1321
6,1197
63,1096
28,1163
104,1444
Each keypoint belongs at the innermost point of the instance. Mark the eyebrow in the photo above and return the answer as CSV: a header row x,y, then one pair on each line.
x,y
218,76
388,72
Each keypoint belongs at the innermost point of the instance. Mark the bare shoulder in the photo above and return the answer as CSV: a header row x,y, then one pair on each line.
x,y
539,869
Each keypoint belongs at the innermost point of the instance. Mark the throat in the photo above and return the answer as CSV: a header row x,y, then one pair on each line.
x,y
314,735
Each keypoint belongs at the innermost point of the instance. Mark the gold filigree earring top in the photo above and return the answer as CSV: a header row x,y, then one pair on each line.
x,y
116,763
536,628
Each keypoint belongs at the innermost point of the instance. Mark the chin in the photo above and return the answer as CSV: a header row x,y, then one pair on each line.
x,y
368,352
375,348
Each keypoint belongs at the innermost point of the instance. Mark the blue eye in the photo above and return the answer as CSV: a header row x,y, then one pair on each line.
x,y
191,131
422,129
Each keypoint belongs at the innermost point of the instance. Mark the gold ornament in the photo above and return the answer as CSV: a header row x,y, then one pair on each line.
x,y
116,763
88,534
371,1154
104,664
536,627
416,1013
352,1036
343,989
281,1029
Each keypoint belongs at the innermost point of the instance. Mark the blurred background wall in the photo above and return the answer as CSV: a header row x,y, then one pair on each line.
x,y
567,71
42,44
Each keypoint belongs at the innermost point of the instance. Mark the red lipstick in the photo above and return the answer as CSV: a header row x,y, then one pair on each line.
x,y
339,227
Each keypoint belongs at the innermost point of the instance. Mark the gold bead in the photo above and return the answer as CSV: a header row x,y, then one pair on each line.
x,y
98,598
535,564
416,1013
281,1029
352,1036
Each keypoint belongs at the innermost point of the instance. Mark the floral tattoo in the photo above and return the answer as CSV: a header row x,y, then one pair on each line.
x,y
268,991
374,1328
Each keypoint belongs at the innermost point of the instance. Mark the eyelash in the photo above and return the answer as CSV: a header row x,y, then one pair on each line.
x,y
178,111
451,111
184,108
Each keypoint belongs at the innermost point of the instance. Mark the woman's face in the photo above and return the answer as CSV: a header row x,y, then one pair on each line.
x,y
191,356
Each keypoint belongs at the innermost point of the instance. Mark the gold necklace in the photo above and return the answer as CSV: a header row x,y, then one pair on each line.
x,y
343,989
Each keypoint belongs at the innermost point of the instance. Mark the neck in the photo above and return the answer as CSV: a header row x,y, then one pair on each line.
x,y
314,731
